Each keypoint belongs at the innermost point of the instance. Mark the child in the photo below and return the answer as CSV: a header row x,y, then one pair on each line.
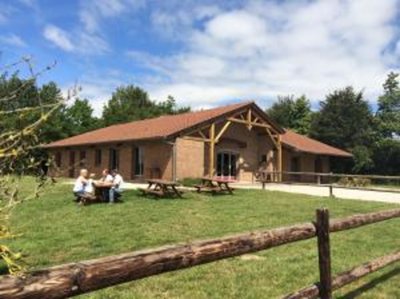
x,y
89,186
80,184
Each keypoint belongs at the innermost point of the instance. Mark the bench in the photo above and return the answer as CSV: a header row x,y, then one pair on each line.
x,y
214,185
161,188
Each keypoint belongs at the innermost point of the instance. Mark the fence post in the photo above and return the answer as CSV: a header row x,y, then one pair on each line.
x,y
331,191
324,254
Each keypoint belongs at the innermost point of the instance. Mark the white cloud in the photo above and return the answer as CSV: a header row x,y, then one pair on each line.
x,y
263,49
174,19
397,51
87,37
59,37
12,40
80,42
93,11
98,88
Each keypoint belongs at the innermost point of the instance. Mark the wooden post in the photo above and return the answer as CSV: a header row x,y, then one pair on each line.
x,y
331,191
324,254
211,151
249,119
279,158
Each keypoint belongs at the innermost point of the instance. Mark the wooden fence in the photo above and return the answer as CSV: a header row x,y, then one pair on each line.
x,y
86,276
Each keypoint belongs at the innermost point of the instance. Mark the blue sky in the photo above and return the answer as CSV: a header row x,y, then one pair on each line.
x,y
206,53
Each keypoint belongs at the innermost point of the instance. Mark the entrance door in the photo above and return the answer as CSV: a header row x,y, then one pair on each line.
x,y
71,168
295,167
114,159
226,165
318,165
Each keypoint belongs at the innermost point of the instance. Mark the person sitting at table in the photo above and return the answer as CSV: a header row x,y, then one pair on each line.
x,y
106,182
116,189
89,188
80,184
106,177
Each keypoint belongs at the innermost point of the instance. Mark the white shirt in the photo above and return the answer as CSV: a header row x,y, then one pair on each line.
x,y
118,181
79,185
108,179
89,186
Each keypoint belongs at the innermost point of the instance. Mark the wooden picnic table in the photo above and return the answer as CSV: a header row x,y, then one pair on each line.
x,y
214,185
101,190
161,188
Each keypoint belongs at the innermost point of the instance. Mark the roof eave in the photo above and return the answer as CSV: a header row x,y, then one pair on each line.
x,y
344,155
49,146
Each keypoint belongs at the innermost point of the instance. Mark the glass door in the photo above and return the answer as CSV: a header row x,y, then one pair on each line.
x,y
226,165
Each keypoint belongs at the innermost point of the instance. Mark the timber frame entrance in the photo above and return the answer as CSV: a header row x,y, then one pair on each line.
x,y
248,117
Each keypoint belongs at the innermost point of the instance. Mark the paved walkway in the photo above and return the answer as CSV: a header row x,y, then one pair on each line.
x,y
390,197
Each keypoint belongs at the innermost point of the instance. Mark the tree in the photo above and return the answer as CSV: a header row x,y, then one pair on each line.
x,y
58,126
345,121
129,103
170,107
24,110
388,113
386,157
292,113
80,117
386,150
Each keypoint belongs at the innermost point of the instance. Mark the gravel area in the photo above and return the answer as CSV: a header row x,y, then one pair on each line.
x,y
381,196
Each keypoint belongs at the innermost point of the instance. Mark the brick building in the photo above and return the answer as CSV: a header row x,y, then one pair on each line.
x,y
233,141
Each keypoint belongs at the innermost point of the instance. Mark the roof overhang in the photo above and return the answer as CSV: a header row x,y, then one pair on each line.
x,y
293,148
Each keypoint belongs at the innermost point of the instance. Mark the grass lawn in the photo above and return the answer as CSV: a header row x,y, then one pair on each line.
x,y
55,230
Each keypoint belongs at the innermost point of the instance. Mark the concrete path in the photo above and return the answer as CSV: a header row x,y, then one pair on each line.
x,y
389,197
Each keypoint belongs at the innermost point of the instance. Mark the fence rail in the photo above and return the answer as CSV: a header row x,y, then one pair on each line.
x,y
353,181
85,276
336,175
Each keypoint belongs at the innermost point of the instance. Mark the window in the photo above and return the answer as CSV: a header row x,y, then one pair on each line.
x,y
97,157
114,158
295,164
58,158
138,161
263,158
82,158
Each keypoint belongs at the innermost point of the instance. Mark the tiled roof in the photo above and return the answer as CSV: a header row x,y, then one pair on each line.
x,y
170,125
159,127
305,144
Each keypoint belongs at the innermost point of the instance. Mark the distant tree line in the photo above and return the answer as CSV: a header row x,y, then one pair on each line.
x,y
127,103
346,120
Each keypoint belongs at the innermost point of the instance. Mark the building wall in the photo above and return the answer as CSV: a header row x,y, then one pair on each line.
x,y
249,145
306,164
190,158
157,160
